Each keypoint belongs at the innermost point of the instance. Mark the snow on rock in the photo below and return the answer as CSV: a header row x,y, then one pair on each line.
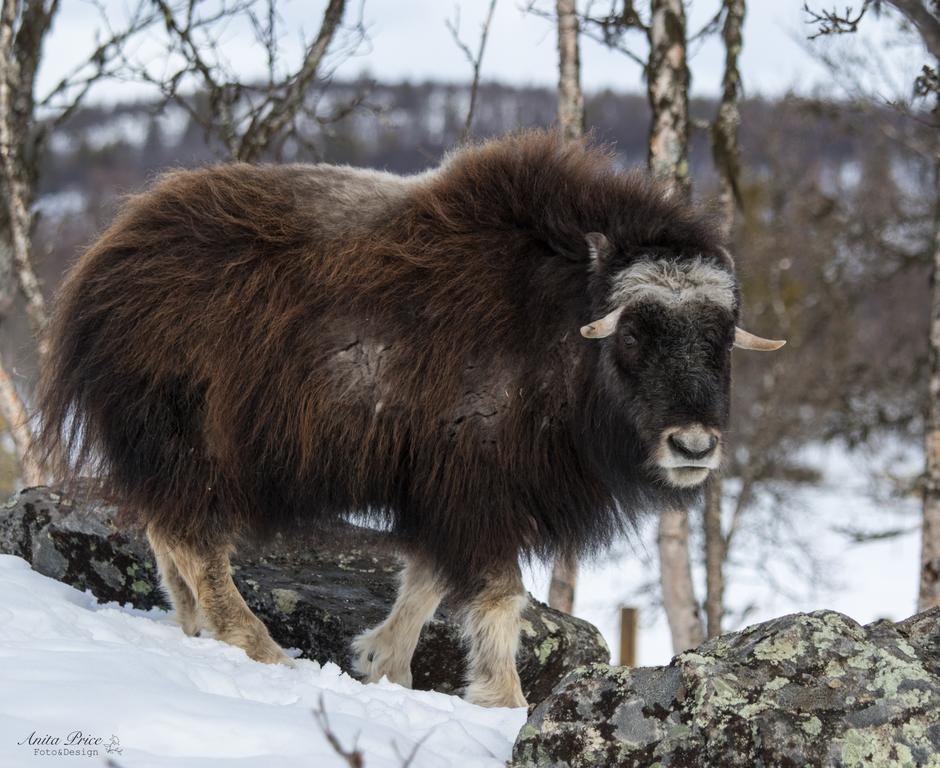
x,y
69,664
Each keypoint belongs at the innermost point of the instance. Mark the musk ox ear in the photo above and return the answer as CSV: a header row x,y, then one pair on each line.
x,y
745,340
598,246
601,329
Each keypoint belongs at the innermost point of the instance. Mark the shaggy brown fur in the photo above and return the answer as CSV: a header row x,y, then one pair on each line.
x,y
251,347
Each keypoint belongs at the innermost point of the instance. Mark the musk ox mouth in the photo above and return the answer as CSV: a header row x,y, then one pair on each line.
x,y
686,477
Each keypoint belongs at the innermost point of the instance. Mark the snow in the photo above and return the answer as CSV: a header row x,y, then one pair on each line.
x,y
68,664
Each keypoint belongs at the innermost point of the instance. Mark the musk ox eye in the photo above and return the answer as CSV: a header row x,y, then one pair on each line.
x,y
628,340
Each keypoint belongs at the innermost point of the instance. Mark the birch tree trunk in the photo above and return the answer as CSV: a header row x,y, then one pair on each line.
x,y
675,575
668,90
726,153
715,554
929,593
15,415
570,97
23,26
20,49
571,122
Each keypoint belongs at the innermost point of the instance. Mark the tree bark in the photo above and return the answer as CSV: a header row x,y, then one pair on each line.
x,y
571,122
715,553
570,97
20,50
668,89
725,149
17,420
929,593
22,30
563,584
675,573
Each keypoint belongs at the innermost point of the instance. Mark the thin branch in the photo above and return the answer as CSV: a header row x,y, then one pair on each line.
x,y
284,107
862,536
407,760
100,62
475,60
711,26
353,757
833,22
609,30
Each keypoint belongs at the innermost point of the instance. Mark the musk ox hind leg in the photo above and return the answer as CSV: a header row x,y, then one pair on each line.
x,y
206,571
490,623
182,597
386,650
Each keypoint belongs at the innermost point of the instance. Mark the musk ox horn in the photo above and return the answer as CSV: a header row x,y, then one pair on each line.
x,y
745,340
601,329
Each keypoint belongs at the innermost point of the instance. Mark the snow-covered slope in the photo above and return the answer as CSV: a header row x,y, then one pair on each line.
x,y
133,680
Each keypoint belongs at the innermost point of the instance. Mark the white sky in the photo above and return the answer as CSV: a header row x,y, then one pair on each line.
x,y
409,40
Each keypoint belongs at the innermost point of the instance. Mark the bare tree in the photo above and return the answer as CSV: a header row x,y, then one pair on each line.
x,y
726,153
924,17
475,60
22,33
249,119
929,589
24,27
571,123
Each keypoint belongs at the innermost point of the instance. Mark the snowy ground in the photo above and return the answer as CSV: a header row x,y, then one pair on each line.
x,y
68,664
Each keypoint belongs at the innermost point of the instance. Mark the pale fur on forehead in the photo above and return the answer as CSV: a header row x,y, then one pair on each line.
x,y
673,283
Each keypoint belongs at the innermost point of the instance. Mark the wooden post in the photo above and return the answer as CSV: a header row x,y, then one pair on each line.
x,y
628,625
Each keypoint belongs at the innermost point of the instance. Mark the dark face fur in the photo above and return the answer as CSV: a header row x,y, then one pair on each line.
x,y
669,368
664,362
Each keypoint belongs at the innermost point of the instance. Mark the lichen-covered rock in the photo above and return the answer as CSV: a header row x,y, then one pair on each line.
x,y
78,544
812,689
314,593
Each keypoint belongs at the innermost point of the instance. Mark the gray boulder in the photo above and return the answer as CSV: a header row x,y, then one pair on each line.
x,y
314,593
811,689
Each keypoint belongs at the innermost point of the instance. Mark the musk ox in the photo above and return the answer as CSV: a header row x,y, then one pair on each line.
x,y
510,355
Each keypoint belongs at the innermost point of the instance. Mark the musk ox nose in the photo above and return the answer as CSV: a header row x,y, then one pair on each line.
x,y
694,444
687,454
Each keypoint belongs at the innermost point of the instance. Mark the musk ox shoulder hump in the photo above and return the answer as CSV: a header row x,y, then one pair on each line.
x,y
346,200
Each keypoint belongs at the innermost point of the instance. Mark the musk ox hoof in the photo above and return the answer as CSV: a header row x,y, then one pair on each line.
x,y
257,643
191,625
496,693
376,655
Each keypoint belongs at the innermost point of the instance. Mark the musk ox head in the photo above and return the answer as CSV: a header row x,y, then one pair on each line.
x,y
666,328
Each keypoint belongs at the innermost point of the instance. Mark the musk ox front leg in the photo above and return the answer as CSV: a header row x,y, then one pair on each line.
x,y
206,571
181,596
491,623
386,650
